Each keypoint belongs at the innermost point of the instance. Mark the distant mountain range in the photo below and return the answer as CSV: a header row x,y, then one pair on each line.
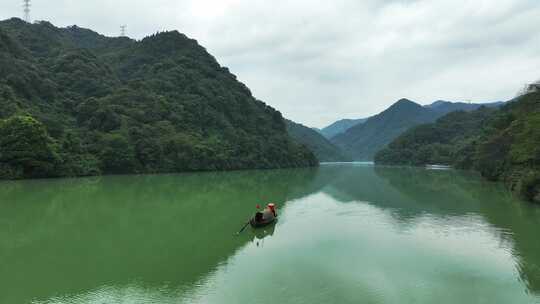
x,y
364,139
340,126
324,150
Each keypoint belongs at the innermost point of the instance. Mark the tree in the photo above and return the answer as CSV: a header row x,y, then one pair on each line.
x,y
26,148
117,155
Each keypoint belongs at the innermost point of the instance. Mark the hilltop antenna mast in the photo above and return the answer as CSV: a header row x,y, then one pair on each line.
x,y
26,10
123,30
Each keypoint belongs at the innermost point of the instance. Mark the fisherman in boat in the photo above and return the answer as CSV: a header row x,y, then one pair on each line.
x,y
266,216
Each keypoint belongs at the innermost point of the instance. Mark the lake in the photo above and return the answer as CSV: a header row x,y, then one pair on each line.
x,y
347,233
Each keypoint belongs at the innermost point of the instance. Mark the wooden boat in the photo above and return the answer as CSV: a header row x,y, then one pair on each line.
x,y
262,223
264,218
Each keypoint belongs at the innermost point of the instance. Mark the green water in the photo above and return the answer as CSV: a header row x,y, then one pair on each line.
x,y
346,234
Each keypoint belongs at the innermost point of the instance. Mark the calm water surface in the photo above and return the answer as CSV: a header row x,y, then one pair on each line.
x,y
346,234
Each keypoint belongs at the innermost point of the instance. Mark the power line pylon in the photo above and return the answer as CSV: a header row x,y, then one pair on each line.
x,y
26,10
123,30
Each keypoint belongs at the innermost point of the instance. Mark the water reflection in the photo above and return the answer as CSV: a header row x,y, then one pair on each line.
x,y
67,237
346,234
452,192
330,252
259,235
448,194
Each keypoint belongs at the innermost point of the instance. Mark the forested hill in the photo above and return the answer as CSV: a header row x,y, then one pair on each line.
x,y
364,140
324,150
73,102
502,144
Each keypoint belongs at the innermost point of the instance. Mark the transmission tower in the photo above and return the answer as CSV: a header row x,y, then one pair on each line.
x,y
26,10
123,30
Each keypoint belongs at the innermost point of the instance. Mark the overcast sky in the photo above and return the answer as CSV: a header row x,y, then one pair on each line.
x,y
321,60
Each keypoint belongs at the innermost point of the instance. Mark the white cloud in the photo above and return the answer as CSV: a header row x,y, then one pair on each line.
x,y
318,61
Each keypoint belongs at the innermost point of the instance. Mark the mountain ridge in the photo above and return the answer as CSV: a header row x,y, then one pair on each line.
x,y
450,106
103,105
364,140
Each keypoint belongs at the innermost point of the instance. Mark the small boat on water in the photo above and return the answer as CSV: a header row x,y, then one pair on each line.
x,y
265,217
261,223
262,218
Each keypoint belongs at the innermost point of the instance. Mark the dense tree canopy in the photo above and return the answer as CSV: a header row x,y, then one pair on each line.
x,y
115,105
26,150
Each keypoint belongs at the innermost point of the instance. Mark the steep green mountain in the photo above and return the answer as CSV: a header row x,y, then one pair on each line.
x,y
364,140
502,144
323,149
73,102
340,126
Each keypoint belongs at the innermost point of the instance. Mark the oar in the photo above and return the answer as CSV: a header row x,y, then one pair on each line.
x,y
247,223
243,228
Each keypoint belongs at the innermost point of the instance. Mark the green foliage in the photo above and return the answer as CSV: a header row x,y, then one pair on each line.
x,y
26,150
502,144
117,155
530,186
8,102
115,105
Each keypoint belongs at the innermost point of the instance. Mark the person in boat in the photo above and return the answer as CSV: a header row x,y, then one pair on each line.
x,y
268,214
